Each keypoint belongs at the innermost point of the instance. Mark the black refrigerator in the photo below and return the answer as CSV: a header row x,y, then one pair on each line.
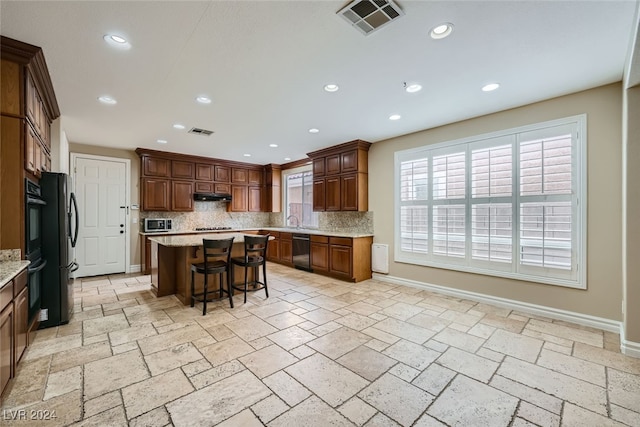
x,y
59,237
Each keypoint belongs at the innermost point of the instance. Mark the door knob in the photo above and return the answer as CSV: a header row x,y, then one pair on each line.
x,y
121,225
121,231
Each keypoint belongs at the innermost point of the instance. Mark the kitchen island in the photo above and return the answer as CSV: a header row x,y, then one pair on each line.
x,y
171,259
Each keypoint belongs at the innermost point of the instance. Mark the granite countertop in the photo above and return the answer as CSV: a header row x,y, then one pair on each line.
x,y
10,269
282,229
195,239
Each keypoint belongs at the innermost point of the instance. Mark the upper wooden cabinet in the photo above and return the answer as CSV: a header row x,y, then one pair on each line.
x,y
182,170
254,202
255,177
204,172
28,106
153,166
341,178
222,174
155,194
239,200
181,196
239,176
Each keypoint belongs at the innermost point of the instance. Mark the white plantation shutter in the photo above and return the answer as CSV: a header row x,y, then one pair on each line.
x,y
505,204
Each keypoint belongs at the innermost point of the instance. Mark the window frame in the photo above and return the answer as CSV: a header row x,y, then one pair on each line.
x,y
285,196
577,276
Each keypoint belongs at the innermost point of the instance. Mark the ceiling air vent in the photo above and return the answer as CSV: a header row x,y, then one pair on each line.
x,y
369,15
198,131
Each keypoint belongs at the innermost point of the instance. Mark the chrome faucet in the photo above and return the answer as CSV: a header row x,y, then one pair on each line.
x,y
296,218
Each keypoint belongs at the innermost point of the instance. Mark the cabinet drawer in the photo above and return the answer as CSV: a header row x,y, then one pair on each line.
x,y
275,234
319,239
342,241
223,188
204,187
285,236
6,295
20,282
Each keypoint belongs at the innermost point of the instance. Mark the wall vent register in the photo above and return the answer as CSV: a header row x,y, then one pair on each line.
x,y
369,15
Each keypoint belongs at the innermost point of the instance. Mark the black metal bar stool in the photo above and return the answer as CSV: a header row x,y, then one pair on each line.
x,y
217,255
255,255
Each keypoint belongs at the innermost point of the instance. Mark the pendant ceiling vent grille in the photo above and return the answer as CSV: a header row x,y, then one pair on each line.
x,y
368,16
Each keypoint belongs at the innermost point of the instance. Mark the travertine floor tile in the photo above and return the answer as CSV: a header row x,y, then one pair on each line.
x,y
339,342
171,339
467,402
459,339
269,408
133,333
245,418
166,360
624,389
366,362
113,417
401,311
356,321
411,354
397,399
250,328
268,360
313,412
515,345
404,330
538,416
577,368
291,337
566,332
327,379
528,394
102,403
434,379
112,373
565,387
287,388
216,374
469,364
63,382
154,392
219,401
156,417
357,411
225,351
104,325
381,420
575,416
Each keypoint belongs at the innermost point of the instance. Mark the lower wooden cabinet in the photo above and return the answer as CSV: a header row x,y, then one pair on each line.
x,y
7,320
319,249
286,248
21,309
273,247
340,258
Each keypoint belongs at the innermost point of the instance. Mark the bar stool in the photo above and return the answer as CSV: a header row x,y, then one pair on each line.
x,y
217,255
255,255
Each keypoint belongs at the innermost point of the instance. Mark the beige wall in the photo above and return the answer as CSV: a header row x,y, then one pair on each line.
x,y
632,215
135,179
603,296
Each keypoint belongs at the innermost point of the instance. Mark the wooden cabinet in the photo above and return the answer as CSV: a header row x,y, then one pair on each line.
x,y
332,164
7,320
30,150
286,248
204,172
182,170
222,174
332,193
238,198
320,253
21,310
341,181
273,247
168,181
255,199
239,176
255,177
153,166
222,188
340,256
319,193
204,187
182,196
318,167
146,255
156,194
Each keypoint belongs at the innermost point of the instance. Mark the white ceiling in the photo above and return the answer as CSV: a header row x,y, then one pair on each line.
x,y
264,64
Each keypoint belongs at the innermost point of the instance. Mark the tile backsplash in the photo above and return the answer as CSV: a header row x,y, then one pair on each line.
x,y
10,255
214,214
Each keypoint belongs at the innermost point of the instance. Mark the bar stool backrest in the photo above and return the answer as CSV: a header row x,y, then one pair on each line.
x,y
255,247
215,250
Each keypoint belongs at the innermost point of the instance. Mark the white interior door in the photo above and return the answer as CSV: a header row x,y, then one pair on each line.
x,y
100,187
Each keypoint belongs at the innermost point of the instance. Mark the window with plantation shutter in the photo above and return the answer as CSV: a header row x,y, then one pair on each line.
x,y
509,204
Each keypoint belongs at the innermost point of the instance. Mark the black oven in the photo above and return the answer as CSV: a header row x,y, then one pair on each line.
x,y
34,204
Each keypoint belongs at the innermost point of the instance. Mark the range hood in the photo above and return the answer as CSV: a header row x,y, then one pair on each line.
x,y
211,197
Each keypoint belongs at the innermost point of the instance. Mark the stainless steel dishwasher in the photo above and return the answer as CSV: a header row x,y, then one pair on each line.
x,y
302,252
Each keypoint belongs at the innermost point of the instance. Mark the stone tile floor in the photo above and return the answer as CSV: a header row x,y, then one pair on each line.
x,y
318,352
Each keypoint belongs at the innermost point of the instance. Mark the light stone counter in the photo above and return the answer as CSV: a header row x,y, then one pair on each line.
x,y
190,240
10,269
281,229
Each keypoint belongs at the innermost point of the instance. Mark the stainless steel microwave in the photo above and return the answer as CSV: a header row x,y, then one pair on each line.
x,y
156,225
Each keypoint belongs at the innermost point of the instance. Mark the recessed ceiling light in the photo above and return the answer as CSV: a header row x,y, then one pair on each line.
x,y
247,155
179,126
331,87
490,87
412,88
107,100
314,130
161,141
441,31
273,145
287,158
203,99
116,41
395,117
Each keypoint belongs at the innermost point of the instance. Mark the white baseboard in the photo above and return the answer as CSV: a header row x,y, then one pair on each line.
x,y
135,268
525,307
628,348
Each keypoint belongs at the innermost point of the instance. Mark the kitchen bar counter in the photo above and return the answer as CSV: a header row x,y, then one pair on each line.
x,y
171,259
311,231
